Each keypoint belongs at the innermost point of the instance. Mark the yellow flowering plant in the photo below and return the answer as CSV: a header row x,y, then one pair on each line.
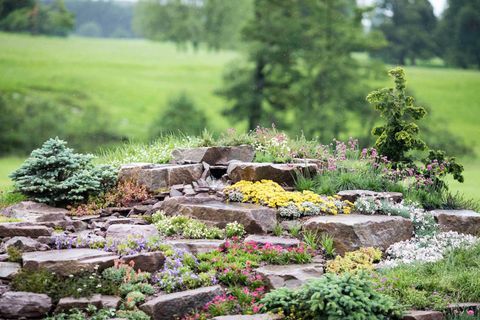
x,y
358,260
289,203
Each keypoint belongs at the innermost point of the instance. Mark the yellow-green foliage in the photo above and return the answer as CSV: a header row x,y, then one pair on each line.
x,y
271,194
355,261
4,219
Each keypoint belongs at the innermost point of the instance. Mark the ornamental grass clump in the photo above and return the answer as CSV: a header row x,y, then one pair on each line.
x,y
290,204
54,174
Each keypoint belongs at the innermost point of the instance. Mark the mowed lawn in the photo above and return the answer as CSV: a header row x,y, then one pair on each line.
x,y
133,79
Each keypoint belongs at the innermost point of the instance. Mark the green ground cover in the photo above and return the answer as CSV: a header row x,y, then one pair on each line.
x,y
132,80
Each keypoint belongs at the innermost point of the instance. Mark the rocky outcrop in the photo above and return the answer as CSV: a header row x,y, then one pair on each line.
x,y
214,155
8,269
146,261
68,261
24,305
196,246
35,212
122,231
175,305
255,218
284,173
263,316
26,244
353,195
351,232
23,229
97,300
276,241
156,177
290,276
461,221
423,315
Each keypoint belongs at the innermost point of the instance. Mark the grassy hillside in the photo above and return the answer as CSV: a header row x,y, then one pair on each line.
x,y
132,79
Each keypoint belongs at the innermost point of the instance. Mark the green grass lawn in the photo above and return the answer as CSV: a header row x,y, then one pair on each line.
x,y
133,79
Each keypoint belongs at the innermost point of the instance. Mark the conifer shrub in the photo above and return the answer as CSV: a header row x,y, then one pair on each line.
x,y
56,175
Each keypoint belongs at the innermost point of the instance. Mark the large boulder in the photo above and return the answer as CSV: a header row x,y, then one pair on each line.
x,y
276,241
8,269
214,155
290,276
353,195
69,261
146,261
423,315
175,305
255,218
461,221
121,232
23,229
26,244
283,173
156,177
24,305
351,232
36,212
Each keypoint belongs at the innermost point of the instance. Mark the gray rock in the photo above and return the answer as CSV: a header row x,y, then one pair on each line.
x,y
196,246
353,195
121,231
263,316
461,221
97,300
175,305
290,276
214,155
15,305
146,261
26,244
423,315
255,218
161,176
280,173
25,229
69,261
351,232
35,212
277,241
8,269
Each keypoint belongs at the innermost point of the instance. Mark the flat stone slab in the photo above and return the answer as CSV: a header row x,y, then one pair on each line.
x,y
263,316
156,177
23,229
255,218
214,155
276,241
353,231
26,244
122,231
97,300
423,315
146,261
35,212
284,173
8,269
175,305
24,305
290,276
461,221
353,195
68,261
196,246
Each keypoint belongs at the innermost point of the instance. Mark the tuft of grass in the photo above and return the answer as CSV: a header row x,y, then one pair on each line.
x,y
311,239
278,230
295,230
327,243
10,197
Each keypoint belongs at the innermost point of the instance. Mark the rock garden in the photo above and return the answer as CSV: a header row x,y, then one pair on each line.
x,y
243,226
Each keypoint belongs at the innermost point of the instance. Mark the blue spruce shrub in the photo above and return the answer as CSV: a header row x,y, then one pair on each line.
x,y
56,175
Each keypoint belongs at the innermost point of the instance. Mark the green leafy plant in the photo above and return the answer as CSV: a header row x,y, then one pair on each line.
x,y
234,229
277,230
311,239
399,134
54,174
14,254
333,297
295,230
185,227
327,243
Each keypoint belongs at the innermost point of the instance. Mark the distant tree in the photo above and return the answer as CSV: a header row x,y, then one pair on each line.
x,y
89,29
180,115
409,27
9,6
459,33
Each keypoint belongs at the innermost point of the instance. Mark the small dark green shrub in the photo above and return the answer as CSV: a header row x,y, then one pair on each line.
x,y
14,254
333,297
54,174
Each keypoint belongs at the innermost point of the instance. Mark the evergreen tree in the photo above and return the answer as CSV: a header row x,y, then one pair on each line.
x,y
459,33
408,27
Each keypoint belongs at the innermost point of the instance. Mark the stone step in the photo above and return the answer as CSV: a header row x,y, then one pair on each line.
x,y
351,232
423,315
196,246
8,269
353,195
214,155
276,241
255,218
461,221
284,173
156,177
24,305
23,229
175,305
121,232
97,300
290,276
68,261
